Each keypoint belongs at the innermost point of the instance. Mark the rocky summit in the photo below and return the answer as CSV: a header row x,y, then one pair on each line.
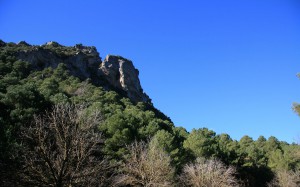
x,y
84,62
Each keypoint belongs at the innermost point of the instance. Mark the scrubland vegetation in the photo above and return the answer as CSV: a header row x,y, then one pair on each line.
x,y
58,130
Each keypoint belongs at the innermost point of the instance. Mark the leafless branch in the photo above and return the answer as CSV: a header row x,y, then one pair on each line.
x,y
208,173
64,149
146,166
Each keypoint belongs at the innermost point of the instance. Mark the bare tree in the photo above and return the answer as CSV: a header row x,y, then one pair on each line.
x,y
63,149
146,166
284,178
208,173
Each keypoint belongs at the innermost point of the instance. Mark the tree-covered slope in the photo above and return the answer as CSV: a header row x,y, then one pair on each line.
x,y
33,79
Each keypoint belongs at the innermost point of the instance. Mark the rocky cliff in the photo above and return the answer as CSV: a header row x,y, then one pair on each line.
x,y
121,73
114,72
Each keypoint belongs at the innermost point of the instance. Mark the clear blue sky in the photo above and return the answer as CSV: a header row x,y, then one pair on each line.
x,y
227,65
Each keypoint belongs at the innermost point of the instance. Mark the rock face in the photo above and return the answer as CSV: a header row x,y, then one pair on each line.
x,y
85,63
121,73
81,62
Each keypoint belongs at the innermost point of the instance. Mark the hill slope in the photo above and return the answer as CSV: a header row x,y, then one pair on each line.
x,y
33,79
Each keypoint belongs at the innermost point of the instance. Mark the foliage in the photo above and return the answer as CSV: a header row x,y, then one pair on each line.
x,y
201,142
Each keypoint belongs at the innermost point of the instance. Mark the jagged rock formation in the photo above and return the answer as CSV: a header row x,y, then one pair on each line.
x,y
121,73
84,62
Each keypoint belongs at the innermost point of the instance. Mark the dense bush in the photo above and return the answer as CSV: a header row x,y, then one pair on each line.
x,y
285,178
209,173
146,165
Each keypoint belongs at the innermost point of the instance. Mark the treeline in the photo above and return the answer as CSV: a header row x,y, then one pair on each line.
x,y
58,130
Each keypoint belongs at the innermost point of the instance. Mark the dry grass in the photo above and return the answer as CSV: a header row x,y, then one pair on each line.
x,y
208,173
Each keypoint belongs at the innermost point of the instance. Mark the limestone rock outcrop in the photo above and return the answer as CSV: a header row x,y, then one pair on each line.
x,y
115,72
121,73
81,62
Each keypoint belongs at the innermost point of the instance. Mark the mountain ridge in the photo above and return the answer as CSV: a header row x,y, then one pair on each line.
x,y
113,73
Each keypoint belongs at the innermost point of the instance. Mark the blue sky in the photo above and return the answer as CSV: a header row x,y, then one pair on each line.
x,y
228,65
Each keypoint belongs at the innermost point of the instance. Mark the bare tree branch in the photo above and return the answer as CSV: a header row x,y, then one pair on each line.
x,y
208,173
63,148
146,166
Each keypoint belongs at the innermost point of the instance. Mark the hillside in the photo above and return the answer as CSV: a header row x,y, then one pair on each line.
x,y
37,80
